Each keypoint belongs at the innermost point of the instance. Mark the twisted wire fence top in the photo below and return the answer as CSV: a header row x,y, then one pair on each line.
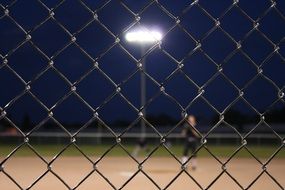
x,y
214,34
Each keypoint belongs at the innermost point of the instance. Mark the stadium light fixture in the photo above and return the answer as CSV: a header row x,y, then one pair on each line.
x,y
144,36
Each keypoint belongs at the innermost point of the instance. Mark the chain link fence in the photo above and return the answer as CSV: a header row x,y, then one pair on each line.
x,y
219,32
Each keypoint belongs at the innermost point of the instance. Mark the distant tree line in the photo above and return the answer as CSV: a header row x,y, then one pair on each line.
x,y
232,116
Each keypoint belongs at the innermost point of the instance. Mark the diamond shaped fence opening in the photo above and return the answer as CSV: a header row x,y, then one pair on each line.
x,y
120,94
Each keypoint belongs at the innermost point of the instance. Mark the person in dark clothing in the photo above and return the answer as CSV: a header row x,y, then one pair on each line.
x,y
141,145
191,141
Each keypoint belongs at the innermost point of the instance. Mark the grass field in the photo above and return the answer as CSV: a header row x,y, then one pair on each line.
x,y
97,150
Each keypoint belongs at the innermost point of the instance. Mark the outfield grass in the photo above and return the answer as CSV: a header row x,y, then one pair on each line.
x,y
98,150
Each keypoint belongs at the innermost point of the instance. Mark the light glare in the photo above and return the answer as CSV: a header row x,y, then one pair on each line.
x,y
143,36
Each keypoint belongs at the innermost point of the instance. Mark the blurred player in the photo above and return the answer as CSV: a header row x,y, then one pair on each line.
x,y
141,145
191,140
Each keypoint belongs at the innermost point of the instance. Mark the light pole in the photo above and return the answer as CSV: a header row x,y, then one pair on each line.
x,y
143,37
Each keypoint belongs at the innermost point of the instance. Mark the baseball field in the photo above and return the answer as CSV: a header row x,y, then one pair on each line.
x,y
71,170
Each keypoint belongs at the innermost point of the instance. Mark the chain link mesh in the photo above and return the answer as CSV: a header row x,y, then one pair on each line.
x,y
176,20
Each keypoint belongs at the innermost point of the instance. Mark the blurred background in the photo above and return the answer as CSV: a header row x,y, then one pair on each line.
x,y
242,51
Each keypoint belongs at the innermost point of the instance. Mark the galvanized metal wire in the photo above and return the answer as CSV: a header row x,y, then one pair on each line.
x,y
161,85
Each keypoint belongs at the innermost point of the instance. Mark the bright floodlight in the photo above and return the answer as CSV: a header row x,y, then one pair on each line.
x,y
143,36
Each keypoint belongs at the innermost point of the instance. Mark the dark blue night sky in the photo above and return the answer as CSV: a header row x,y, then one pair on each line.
x,y
200,65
